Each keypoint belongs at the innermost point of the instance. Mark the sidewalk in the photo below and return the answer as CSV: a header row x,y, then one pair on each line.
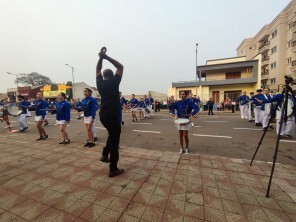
x,y
43,181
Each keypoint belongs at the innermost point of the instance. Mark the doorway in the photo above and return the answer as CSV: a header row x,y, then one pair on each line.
x,y
216,96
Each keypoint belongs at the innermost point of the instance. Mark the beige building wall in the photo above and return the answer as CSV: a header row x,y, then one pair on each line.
x,y
285,26
227,60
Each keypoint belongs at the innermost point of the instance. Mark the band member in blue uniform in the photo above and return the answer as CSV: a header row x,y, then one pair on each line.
x,y
79,110
147,102
63,117
194,100
134,107
257,109
123,103
242,100
250,108
266,109
185,109
89,106
141,107
46,123
150,102
288,128
40,112
23,104
110,112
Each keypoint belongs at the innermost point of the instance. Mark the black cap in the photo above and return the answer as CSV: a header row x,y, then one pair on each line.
x,y
259,90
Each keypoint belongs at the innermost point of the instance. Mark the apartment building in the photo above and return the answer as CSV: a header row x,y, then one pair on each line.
x,y
222,79
276,42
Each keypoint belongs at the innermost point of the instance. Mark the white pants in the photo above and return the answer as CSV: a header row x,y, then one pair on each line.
x,y
28,113
93,129
244,111
250,112
150,108
258,114
266,118
287,128
22,122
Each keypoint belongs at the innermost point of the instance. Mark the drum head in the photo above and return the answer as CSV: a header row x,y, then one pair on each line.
x,y
182,121
13,109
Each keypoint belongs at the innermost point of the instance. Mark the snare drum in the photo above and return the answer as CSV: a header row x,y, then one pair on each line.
x,y
182,122
1,111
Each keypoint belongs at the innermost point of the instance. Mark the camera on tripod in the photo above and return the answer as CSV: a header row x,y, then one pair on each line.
x,y
290,80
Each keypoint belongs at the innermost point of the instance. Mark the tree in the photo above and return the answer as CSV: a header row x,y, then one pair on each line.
x,y
33,79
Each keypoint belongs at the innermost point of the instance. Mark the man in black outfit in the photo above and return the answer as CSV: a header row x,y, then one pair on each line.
x,y
211,106
110,112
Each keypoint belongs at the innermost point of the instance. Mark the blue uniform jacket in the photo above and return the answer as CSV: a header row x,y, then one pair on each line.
x,y
40,104
134,102
259,97
268,97
123,101
24,105
243,99
142,104
63,111
150,100
78,106
278,98
89,105
184,108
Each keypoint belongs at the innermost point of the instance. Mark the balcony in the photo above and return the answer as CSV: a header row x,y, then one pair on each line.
x,y
264,47
293,48
293,64
265,60
264,74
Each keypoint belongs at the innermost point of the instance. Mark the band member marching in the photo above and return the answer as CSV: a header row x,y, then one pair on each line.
x,y
150,102
257,109
123,103
141,107
250,108
110,112
79,110
23,104
63,117
266,109
40,112
185,109
89,106
242,100
134,107
194,100
288,128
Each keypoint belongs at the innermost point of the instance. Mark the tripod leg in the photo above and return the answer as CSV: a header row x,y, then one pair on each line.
x,y
260,142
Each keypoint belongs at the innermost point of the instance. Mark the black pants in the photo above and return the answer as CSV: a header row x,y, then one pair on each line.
x,y
232,108
113,126
211,110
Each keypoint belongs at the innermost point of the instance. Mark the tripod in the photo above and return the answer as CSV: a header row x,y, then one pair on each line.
x,y
283,119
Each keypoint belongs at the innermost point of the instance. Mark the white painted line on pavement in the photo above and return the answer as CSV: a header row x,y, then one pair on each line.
x,y
216,136
141,123
98,127
288,141
215,121
246,129
141,131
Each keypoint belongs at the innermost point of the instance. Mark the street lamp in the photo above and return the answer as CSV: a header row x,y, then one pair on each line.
x,y
72,79
16,77
196,71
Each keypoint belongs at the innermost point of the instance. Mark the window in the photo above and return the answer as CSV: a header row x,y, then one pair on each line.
x,y
290,25
273,65
233,75
289,44
264,83
250,47
272,81
274,34
289,60
273,50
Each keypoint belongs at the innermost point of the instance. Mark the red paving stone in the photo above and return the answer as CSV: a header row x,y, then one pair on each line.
x,y
44,183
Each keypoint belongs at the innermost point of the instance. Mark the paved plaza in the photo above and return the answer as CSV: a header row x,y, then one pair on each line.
x,y
49,182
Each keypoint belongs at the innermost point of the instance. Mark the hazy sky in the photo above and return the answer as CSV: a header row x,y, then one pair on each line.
x,y
154,40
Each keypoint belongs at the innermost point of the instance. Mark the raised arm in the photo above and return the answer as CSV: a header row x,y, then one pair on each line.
x,y
99,67
117,65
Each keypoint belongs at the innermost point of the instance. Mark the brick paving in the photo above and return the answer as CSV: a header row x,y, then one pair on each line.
x,y
43,181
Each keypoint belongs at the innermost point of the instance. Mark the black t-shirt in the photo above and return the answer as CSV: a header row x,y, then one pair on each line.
x,y
109,91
